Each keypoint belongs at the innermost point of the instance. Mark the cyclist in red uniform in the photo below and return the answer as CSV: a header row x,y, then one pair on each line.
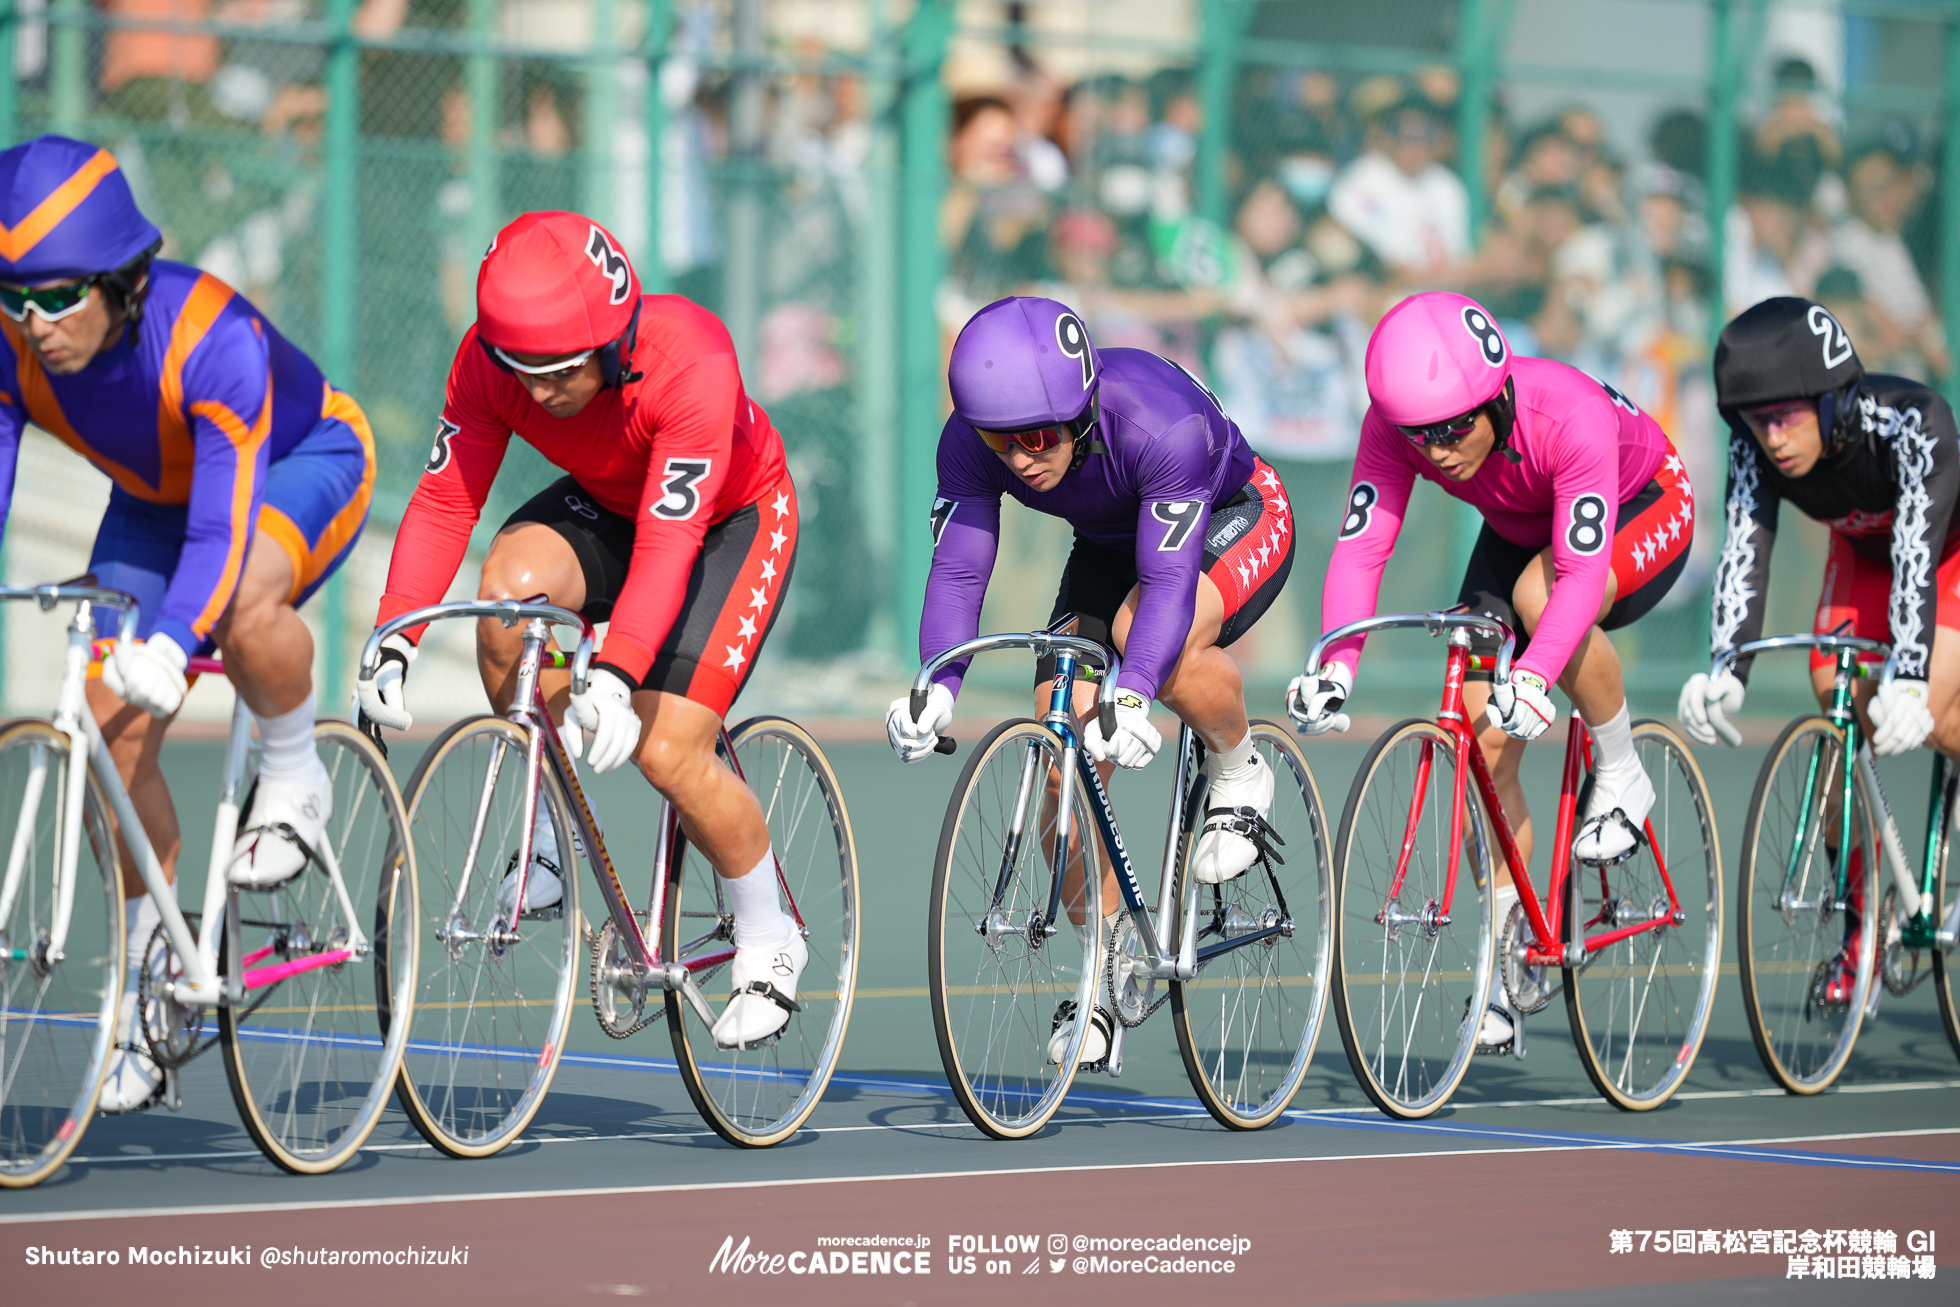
x,y
677,522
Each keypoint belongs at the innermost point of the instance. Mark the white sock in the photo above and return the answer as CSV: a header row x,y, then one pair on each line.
x,y
1502,900
1232,763
759,919
140,918
1613,744
288,753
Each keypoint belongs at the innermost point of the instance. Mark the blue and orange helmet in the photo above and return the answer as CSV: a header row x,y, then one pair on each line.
x,y
66,211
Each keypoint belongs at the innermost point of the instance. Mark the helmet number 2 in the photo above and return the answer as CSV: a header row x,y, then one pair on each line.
x,y
680,499
1180,518
1837,345
1587,533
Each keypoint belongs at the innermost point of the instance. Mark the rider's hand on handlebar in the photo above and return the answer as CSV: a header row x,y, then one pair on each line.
x,y
1315,702
381,698
1707,704
605,712
1135,741
1521,707
148,673
1901,721
912,740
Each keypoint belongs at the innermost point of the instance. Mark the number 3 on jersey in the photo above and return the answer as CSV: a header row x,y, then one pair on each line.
x,y
680,499
1179,518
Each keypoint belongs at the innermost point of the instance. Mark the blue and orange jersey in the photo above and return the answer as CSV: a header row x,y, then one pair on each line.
x,y
188,409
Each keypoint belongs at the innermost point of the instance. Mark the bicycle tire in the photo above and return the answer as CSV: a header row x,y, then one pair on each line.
x,y
312,1057
992,982
1803,1044
1639,1009
57,1019
757,1097
1409,1049
1247,1022
1946,889
490,1014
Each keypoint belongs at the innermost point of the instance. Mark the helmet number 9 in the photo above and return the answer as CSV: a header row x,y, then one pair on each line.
x,y
1488,337
1587,533
1073,341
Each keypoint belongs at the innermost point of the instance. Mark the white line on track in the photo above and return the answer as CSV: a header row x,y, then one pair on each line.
x,y
1720,1147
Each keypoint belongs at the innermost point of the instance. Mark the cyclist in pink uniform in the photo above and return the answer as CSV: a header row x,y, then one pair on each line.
x,y
1587,518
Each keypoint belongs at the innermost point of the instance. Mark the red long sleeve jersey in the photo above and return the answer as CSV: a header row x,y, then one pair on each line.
x,y
676,451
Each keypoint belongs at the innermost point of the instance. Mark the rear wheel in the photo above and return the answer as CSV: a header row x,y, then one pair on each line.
x,y
1410,980
58,1006
1247,1022
1639,1008
313,1048
760,1096
1791,932
1945,910
495,996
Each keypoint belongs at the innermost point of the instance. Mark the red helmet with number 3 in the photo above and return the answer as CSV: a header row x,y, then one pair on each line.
x,y
557,284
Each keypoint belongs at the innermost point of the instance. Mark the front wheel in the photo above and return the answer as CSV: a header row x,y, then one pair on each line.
x,y
1945,910
1008,958
1247,1022
757,1096
313,1045
1412,953
1792,935
1639,1007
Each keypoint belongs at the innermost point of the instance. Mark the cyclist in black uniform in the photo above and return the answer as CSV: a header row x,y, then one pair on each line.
x,y
1877,459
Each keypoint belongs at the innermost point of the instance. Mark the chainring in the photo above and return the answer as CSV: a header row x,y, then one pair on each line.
x,y
169,1029
1132,998
618,996
1902,969
1529,987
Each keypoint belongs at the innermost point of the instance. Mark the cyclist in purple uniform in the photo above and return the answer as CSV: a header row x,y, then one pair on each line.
x,y
1183,538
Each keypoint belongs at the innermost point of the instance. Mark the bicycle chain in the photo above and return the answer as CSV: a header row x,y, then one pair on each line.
x,y
601,942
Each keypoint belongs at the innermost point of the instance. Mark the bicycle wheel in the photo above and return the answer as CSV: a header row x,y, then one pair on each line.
x,y
1001,984
1640,1007
1788,932
759,1096
495,997
1410,982
1946,917
313,1047
57,1007
1247,1022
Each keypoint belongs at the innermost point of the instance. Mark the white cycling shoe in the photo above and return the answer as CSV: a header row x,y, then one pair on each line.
x,y
1235,812
1499,1028
765,991
1614,817
134,1080
287,819
542,888
1095,1045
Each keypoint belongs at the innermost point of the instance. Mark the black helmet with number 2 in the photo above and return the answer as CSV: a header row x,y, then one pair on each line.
x,y
1783,348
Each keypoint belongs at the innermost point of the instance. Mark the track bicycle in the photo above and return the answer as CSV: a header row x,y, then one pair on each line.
x,y
1796,894
1635,945
310,980
1015,949
496,993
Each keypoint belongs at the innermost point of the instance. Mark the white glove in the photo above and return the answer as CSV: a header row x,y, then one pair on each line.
x,y
1522,708
912,740
1901,721
148,673
1706,705
1315,702
605,712
381,698
1135,741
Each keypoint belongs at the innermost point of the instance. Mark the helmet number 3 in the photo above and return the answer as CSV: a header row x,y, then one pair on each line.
x,y
1587,534
680,499
1073,341
1489,339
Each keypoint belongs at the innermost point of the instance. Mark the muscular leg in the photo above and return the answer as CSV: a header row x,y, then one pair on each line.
x,y
135,739
677,756
526,559
267,649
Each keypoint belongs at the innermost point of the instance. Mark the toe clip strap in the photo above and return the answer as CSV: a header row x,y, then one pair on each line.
x,y
1597,826
770,992
285,831
1246,821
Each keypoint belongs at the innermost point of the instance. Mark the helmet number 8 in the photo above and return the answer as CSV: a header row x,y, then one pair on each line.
x,y
1587,534
1489,338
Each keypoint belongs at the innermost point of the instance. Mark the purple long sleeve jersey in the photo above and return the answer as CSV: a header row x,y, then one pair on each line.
x,y
1169,456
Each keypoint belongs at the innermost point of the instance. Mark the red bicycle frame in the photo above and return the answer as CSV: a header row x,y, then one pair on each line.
x,y
1544,949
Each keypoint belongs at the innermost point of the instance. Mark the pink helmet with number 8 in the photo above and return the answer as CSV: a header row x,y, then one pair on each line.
x,y
1433,357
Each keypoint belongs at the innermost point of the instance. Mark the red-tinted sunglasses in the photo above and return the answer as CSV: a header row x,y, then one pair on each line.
x,y
1038,441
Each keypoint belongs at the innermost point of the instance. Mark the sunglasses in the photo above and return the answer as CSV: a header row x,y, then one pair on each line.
x,y
557,370
1447,433
53,303
1038,441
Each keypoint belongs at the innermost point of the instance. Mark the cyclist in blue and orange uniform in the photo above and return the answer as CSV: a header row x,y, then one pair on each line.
x,y
241,481
676,522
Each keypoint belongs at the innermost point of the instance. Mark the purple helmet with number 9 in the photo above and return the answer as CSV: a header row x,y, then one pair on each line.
x,y
1022,363
1433,357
